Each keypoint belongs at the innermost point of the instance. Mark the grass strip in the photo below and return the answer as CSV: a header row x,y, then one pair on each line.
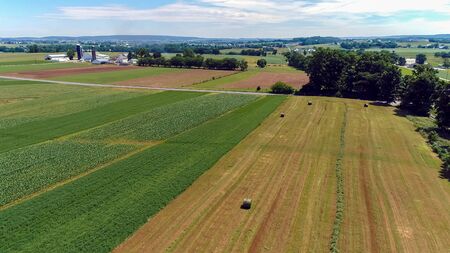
x,y
97,212
340,201
48,129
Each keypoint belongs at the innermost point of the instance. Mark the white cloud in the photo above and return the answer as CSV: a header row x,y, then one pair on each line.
x,y
330,16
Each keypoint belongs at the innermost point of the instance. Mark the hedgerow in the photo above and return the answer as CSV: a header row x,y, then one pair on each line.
x,y
97,212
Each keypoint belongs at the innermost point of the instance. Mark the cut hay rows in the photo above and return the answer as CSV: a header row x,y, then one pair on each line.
x,y
340,201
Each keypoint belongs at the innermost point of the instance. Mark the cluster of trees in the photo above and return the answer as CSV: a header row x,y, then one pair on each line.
x,y
315,40
262,63
435,45
188,60
253,52
442,54
368,75
350,44
12,49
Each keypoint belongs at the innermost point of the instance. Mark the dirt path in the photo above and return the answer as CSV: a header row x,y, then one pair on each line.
x,y
286,166
395,201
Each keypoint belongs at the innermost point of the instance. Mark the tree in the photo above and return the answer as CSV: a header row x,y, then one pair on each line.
x,y
297,60
130,56
142,52
188,52
70,53
177,61
420,88
243,65
281,88
421,58
446,63
443,107
261,63
157,55
402,61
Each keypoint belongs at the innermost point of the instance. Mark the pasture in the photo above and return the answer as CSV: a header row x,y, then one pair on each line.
x,y
21,58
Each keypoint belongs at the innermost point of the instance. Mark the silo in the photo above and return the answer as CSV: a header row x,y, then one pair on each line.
x,y
94,54
79,52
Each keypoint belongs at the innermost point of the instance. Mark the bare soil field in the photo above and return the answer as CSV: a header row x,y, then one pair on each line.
x,y
267,79
51,73
177,79
394,198
286,167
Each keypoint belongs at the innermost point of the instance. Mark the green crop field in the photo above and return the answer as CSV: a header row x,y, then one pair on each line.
x,y
117,76
39,67
21,58
96,212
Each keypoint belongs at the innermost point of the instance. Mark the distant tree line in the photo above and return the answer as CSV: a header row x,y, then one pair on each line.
x,y
350,44
442,54
12,49
189,60
315,40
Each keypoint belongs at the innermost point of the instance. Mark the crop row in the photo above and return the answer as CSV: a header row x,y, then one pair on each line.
x,y
165,121
97,212
47,129
22,102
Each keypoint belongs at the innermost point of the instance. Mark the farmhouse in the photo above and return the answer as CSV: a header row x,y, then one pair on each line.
x,y
410,62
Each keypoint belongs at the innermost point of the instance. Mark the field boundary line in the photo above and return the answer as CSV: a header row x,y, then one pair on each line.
x,y
88,172
339,218
137,87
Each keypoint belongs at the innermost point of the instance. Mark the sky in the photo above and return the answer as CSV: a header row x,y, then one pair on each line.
x,y
224,18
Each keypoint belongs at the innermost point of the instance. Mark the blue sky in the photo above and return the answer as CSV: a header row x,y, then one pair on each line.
x,y
225,18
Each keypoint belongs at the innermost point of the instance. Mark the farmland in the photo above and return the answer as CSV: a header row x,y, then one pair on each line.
x,y
86,200
89,169
287,166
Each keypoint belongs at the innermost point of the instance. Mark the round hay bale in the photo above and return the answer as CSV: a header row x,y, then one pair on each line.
x,y
246,204
309,102
282,115
366,105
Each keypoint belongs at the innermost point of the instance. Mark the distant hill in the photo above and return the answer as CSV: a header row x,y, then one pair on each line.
x,y
113,38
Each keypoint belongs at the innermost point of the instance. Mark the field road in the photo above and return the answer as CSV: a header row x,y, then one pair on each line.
x,y
132,86
286,166
394,198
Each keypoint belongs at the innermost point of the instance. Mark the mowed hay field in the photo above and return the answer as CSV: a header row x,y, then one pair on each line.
x,y
394,198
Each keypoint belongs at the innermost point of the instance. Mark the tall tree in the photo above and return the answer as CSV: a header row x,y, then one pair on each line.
x,y
443,107
261,63
70,53
420,89
421,58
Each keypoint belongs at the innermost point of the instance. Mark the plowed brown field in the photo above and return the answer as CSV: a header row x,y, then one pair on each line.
x,y
178,79
394,198
42,74
267,79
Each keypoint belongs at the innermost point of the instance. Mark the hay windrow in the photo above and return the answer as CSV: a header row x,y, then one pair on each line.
x,y
339,189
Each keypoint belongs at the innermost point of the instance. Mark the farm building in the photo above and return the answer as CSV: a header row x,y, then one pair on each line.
x,y
410,62
56,57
